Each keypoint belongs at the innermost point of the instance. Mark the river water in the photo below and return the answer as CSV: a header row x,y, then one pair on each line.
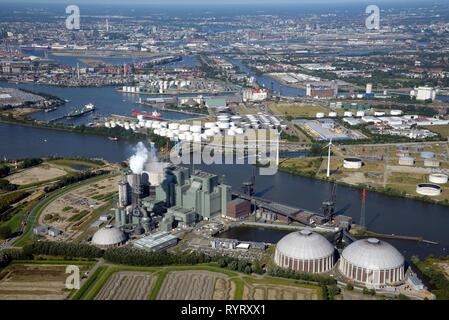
x,y
107,101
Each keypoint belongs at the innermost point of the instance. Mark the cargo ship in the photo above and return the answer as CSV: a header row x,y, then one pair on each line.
x,y
149,115
79,112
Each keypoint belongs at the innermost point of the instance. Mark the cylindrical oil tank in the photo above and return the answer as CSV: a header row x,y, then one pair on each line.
x,y
173,126
184,127
439,178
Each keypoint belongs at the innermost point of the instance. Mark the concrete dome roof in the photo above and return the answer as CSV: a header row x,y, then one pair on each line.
x,y
108,236
305,245
373,254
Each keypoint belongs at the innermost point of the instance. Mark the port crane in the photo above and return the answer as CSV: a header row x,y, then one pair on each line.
x,y
328,206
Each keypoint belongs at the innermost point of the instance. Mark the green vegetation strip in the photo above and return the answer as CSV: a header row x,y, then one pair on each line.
x,y
85,290
239,285
157,286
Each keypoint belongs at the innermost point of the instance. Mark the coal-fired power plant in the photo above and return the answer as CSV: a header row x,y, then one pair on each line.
x,y
160,195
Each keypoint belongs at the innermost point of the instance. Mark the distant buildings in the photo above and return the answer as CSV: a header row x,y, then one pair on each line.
x,y
321,90
254,95
423,93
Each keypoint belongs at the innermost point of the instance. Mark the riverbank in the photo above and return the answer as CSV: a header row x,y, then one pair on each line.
x,y
311,172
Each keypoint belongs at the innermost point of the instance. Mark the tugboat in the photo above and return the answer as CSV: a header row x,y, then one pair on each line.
x,y
113,138
79,112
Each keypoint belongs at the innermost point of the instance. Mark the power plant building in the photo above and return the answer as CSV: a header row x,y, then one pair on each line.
x,y
305,251
372,263
169,194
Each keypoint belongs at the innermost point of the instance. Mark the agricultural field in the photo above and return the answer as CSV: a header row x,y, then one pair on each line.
x,y
296,110
34,281
278,292
192,283
442,130
196,285
127,286
41,173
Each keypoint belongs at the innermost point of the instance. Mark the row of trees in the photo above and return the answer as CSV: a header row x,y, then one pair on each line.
x,y
290,274
73,179
5,170
67,250
240,265
4,259
137,257
9,199
7,186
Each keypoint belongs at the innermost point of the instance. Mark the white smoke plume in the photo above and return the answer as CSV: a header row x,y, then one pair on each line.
x,y
138,160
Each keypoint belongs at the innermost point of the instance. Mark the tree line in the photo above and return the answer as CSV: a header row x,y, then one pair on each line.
x,y
65,181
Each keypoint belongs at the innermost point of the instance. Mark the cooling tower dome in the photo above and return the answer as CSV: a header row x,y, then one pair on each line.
x,y
305,251
108,237
372,262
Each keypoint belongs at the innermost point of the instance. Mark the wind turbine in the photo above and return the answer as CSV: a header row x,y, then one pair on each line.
x,y
328,173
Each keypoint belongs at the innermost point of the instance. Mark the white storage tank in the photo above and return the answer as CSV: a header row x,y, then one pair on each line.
x,y
107,124
239,131
428,189
173,126
352,163
223,125
113,124
156,125
195,129
439,178
184,127
209,125
396,112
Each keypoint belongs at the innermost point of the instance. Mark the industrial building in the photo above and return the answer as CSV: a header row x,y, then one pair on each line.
x,y
169,196
156,241
372,263
305,251
423,93
238,209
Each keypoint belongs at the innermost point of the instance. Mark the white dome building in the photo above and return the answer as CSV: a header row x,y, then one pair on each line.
x,y
109,237
372,263
305,251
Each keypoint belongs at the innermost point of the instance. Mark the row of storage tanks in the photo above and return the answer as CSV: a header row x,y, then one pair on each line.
x,y
225,124
159,84
359,114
